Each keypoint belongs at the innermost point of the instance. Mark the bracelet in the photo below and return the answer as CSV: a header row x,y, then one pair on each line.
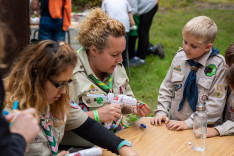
x,y
96,117
124,143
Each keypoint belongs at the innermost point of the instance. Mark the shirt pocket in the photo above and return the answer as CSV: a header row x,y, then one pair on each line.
x,y
94,102
176,77
205,82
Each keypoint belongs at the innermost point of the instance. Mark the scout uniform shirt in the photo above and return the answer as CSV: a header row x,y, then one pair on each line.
x,y
227,128
40,145
83,84
211,86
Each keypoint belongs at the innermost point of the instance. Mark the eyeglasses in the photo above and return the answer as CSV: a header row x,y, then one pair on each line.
x,y
60,86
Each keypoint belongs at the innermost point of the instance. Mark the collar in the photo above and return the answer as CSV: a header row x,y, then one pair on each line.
x,y
202,60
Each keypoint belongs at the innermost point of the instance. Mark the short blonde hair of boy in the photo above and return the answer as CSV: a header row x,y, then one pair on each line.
x,y
202,28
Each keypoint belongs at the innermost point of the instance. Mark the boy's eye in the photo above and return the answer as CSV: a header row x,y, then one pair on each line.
x,y
193,46
185,42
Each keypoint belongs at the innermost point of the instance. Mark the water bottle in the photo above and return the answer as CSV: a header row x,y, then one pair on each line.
x,y
199,128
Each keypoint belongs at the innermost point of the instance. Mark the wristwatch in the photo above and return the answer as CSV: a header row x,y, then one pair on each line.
x,y
124,143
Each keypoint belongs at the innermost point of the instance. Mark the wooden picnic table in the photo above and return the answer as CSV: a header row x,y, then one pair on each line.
x,y
158,141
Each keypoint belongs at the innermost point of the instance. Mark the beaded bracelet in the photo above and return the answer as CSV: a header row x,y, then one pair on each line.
x,y
96,117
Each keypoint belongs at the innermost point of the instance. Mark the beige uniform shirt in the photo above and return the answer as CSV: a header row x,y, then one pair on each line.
x,y
40,145
83,84
227,128
212,89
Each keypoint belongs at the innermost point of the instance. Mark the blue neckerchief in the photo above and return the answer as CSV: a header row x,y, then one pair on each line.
x,y
190,86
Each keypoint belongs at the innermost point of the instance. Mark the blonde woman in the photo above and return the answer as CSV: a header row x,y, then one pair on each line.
x,y
99,71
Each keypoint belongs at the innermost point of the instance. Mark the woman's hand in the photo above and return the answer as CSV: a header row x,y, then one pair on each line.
x,y
109,113
157,120
211,132
142,110
177,125
127,151
62,153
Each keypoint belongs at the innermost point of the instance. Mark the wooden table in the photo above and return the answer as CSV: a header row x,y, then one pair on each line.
x,y
158,141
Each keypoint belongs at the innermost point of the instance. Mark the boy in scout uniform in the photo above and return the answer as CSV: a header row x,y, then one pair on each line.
x,y
39,80
99,71
196,76
227,128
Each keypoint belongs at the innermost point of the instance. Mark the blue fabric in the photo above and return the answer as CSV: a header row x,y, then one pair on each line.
x,y
51,29
190,86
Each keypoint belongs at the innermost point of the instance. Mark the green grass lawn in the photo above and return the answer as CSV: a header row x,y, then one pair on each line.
x,y
166,28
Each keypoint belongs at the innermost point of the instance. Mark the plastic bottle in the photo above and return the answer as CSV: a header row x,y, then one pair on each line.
x,y
200,128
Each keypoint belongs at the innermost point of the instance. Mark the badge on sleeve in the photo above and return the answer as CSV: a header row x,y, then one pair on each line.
x,y
175,88
177,68
73,104
84,107
93,90
210,70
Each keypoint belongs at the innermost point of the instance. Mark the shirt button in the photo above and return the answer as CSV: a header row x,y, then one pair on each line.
x,y
81,66
95,99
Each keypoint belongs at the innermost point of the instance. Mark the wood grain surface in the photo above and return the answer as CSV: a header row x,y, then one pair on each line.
x,y
158,141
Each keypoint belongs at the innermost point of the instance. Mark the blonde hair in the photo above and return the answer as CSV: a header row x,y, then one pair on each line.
x,y
96,27
37,64
202,28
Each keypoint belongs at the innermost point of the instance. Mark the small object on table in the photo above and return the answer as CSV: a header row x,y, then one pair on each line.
x,y
143,126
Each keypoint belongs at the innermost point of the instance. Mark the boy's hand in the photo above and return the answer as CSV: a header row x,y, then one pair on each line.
x,y
177,125
142,110
211,132
157,120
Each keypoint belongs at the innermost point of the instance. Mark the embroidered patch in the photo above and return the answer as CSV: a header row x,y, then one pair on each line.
x,y
93,90
175,88
203,98
220,88
99,100
210,70
218,94
178,68
73,104
84,107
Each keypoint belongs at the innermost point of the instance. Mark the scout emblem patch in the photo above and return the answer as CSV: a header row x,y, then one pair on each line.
x,y
175,88
218,94
177,68
93,90
220,88
210,70
84,107
99,100
73,104
203,98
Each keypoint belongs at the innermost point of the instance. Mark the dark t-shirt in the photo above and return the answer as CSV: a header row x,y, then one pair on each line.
x,y
45,8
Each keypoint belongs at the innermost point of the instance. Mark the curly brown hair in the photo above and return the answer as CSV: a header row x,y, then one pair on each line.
x,y
37,64
96,27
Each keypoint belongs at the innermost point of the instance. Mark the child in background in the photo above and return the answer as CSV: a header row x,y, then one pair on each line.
x,y
121,11
227,128
196,76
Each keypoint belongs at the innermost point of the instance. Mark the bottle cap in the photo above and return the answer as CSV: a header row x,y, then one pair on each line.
x,y
201,107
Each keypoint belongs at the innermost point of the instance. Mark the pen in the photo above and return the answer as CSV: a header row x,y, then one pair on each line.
x,y
15,106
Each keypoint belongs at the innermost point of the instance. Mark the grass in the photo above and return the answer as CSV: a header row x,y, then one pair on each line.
x,y
166,28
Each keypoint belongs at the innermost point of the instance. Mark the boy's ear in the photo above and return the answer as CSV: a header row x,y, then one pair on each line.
x,y
93,50
208,46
